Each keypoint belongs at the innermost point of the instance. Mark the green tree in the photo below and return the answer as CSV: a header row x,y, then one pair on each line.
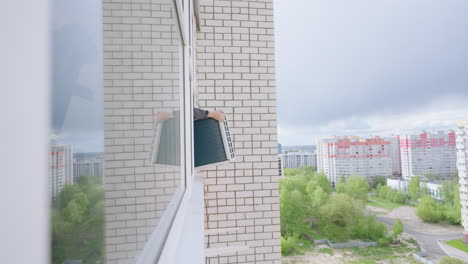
x,y
452,206
319,198
77,222
357,187
431,176
374,181
448,191
414,188
74,213
318,180
340,185
397,228
429,210
66,195
293,212
291,172
322,181
340,210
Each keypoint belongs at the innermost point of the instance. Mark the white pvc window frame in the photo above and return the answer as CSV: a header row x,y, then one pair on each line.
x,y
184,241
24,111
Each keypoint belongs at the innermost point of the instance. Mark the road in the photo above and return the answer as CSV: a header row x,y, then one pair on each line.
x,y
427,240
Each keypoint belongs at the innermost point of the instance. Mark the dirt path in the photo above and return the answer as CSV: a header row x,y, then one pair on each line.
x,y
377,210
340,256
427,234
408,216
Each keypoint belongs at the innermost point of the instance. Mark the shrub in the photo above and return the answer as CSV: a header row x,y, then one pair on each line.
x,y
390,194
288,245
429,210
397,228
357,187
449,260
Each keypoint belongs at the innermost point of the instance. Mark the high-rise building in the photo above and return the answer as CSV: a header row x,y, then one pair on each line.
x,y
462,165
293,160
60,168
346,156
428,154
395,154
87,165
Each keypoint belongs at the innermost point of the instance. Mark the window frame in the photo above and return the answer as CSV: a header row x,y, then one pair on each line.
x,y
185,212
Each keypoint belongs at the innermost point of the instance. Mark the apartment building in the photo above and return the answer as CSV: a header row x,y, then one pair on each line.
x,y
90,165
346,156
158,57
462,163
428,154
293,160
60,168
395,154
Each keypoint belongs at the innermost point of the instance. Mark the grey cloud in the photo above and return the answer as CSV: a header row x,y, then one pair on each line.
x,y
77,92
339,59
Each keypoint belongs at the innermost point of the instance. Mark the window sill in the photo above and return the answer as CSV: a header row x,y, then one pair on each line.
x,y
185,242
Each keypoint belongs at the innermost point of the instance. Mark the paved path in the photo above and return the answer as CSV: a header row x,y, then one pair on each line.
x,y
429,241
454,252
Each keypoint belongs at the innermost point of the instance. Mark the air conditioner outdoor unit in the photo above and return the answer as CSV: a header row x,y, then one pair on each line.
x,y
212,143
165,149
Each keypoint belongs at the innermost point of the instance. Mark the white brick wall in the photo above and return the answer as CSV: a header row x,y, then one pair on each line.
x,y
142,77
236,73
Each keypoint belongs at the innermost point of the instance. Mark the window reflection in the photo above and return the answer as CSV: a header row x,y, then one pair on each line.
x,y
143,126
76,142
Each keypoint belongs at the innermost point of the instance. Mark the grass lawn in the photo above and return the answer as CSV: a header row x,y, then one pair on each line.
x,y
374,255
382,203
458,244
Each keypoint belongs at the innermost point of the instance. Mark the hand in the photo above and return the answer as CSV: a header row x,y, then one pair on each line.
x,y
218,115
163,116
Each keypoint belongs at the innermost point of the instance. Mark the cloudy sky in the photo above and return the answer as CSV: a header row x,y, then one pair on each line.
x,y
77,95
367,67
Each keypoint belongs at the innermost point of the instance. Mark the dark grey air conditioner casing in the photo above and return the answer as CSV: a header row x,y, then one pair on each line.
x,y
212,143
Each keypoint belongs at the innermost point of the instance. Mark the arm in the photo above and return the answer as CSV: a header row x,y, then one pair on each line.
x,y
200,114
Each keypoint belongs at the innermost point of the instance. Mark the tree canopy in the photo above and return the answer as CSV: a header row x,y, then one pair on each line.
x,y
311,210
414,187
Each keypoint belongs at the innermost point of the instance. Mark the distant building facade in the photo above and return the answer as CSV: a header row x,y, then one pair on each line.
x,y
280,166
280,148
462,163
299,148
89,166
398,184
395,154
60,168
433,188
346,156
426,154
299,159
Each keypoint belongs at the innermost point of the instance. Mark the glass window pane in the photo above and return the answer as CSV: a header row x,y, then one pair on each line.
x,y
143,125
77,142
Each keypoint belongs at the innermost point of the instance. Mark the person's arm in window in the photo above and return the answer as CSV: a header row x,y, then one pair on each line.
x,y
200,114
